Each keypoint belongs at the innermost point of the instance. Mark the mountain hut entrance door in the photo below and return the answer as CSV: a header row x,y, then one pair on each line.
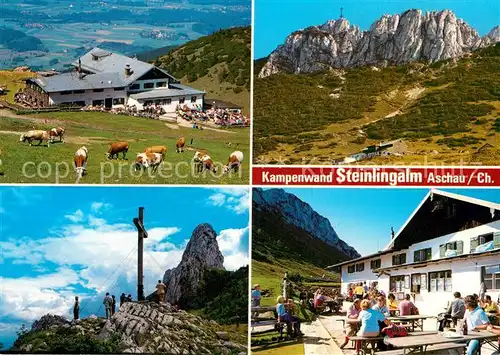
x,y
141,234
108,103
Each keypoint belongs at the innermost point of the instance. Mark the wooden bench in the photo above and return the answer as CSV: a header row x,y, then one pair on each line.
x,y
364,342
430,349
277,327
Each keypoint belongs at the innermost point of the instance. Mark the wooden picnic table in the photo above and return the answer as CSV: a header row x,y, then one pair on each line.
x,y
416,321
419,344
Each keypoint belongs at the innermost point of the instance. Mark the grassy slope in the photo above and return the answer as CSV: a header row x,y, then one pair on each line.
x,y
447,107
96,130
278,247
13,82
218,63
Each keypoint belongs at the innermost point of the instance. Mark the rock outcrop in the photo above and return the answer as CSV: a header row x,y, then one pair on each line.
x,y
144,327
392,39
302,215
201,253
48,321
152,328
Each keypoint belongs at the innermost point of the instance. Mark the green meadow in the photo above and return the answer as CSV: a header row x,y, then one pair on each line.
x,y
22,163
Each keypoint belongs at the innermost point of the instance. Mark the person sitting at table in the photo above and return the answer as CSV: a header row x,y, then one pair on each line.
x,y
351,328
359,291
476,319
319,298
407,308
381,306
392,303
456,311
285,316
371,322
350,293
489,306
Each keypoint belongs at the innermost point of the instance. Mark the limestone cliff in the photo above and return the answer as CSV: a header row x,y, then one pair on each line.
x,y
392,39
201,253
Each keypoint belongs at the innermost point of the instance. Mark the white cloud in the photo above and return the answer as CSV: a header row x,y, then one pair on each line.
x,y
75,217
230,244
236,199
235,261
97,207
217,199
29,298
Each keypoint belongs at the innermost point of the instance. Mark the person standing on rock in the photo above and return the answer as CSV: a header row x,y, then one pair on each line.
x,y
129,298
113,305
107,305
123,299
76,309
160,291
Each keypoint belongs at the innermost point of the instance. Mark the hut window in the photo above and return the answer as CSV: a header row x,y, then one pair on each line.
x,y
375,264
440,281
491,277
351,269
360,267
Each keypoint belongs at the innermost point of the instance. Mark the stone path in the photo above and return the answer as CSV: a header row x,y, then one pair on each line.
x,y
317,340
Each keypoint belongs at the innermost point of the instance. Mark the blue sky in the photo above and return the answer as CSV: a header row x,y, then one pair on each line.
x,y
58,242
276,19
363,217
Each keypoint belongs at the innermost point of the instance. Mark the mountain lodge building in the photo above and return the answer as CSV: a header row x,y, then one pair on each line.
x,y
103,78
450,243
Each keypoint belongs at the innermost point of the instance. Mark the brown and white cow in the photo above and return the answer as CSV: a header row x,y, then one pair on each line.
x,y
179,145
208,164
203,161
57,132
36,135
116,148
80,161
234,161
148,160
161,149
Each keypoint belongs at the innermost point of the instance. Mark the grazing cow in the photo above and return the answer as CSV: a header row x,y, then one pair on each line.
x,y
80,161
179,145
234,161
157,149
198,160
36,135
148,159
57,132
116,148
208,164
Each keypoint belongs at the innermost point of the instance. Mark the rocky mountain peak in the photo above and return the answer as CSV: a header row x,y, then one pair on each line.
x,y
302,215
392,39
201,253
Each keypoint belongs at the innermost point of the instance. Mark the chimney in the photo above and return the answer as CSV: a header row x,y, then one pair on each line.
x,y
128,70
95,57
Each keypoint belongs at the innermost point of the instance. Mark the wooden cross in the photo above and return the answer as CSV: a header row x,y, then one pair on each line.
x,y
341,12
141,234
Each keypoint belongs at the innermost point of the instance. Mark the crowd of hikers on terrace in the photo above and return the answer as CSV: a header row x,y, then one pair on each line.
x,y
373,321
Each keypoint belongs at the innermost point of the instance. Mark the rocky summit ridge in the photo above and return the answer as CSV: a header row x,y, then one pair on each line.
x,y
143,327
301,215
392,39
184,281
